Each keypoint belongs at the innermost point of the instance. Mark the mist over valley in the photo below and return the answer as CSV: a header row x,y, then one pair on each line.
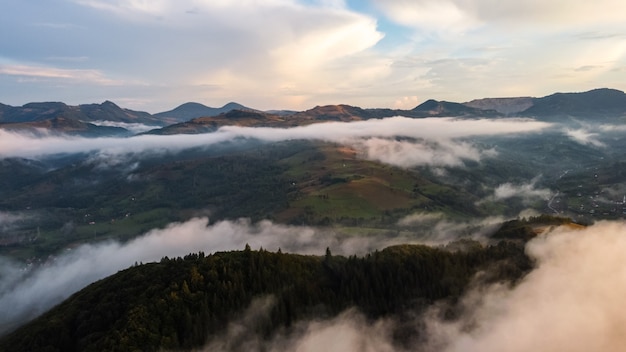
x,y
438,228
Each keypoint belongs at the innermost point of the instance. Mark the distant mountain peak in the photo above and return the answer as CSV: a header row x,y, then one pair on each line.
x,y
233,105
442,108
191,110
595,103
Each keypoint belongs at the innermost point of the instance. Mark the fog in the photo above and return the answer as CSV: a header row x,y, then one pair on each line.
x,y
28,293
349,331
407,153
132,127
526,191
437,229
428,141
585,137
8,219
572,301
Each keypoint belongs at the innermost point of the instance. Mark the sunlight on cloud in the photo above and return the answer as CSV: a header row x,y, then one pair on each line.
x,y
76,75
461,14
321,45
571,302
428,14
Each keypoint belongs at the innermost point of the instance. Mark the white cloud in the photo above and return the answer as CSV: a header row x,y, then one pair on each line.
x,y
24,295
571,302
76,75
8,219
585,137
240,46
435,139
436,229
526,191
297,54
405,153
464,15
429,14
133,127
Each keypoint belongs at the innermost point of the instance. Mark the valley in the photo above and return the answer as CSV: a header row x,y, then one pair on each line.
x,y
472,184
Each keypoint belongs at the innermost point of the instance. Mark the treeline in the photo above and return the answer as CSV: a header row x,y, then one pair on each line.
x,y
180,303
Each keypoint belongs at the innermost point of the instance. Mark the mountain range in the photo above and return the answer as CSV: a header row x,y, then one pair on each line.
x,y
86,119
75,210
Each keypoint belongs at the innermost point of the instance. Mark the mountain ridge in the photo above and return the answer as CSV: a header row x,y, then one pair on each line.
x,y
191,110
601,103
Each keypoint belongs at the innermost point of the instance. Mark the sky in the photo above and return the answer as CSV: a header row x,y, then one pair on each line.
x,y
153,55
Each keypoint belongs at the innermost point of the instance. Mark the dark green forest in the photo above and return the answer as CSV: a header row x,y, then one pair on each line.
x,y
180,303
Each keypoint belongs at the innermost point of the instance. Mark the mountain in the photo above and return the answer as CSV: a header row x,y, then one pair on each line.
x,y
181,303
109,111
65,125
436,108
247,118
191,117
80,120
344,113
188,111
602,103
505,106
595,103
37,112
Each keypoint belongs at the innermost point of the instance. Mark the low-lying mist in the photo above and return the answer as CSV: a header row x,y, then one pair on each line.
x,y
427,141
572,301
25,294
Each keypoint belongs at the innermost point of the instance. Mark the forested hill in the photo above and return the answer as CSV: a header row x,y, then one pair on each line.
x,y
180,303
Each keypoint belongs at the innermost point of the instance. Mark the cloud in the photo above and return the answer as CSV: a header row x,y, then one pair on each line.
x,y
236,45
585,137
299,53
570,302
26,294
350,331
435,139
8,220
437,229
420,218
133,127
413,153
47,73
465,15
526,191
576,290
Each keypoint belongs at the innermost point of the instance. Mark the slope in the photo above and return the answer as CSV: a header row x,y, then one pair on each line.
x,y
180,303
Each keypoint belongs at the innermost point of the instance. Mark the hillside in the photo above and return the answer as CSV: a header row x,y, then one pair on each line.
x,y
595,103
191,110
181,303
66,126
296,182
445,109
193,118
209,124
507,106
80,120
